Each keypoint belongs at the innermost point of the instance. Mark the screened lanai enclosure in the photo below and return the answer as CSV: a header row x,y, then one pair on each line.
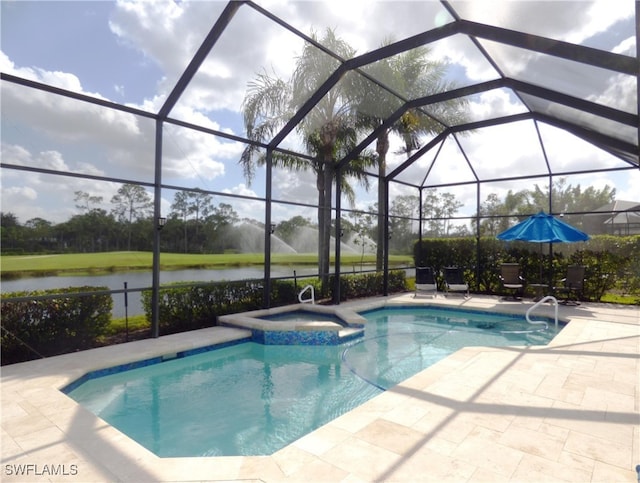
x,y
278,128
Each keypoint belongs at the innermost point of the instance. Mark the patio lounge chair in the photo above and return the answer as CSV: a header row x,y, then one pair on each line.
x,y
425,281
573,283
454,281
512,280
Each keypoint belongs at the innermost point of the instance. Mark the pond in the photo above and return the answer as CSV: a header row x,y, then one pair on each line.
x,y
143,279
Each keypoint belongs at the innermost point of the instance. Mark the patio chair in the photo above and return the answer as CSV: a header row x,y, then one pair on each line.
x,y
573,283
512,280
454,281
425,281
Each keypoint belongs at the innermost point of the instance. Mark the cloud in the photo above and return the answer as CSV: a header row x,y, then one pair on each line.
x,y
629,190
170,33
96,140
621,93
594,18
22,193
193,155
493,104
71,136
30,195
296,186
246,208
626,47
13,154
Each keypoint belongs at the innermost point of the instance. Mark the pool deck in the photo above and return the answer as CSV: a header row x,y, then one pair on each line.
x,y
569,411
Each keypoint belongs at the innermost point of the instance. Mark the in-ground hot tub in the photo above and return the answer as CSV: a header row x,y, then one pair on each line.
x,y
300,324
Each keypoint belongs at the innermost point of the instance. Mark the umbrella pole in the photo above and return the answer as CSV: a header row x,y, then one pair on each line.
x,y
541,261
551,268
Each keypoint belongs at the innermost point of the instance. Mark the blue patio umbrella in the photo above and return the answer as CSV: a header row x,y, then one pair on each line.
x,y
543,228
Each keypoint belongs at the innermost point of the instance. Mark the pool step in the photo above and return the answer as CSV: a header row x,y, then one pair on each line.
x,y
349,333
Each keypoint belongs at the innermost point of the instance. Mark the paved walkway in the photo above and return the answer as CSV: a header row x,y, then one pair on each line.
x,y
565,412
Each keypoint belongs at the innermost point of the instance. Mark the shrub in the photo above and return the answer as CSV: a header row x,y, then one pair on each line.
x,y
370,284
600,272
184,307
51,326
610,261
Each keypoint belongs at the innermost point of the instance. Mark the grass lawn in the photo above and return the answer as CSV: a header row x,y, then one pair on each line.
x,y
15,266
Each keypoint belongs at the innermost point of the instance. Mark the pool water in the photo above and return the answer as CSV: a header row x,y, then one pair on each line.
x,y
253,399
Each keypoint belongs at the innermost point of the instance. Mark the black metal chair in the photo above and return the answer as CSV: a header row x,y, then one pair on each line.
x,y
454,280
426,281
572,284
512,280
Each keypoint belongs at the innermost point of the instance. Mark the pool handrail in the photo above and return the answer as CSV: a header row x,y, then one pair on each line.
x,y
540,302
312,299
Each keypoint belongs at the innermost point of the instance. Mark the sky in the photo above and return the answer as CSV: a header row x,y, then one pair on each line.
x,y
133,53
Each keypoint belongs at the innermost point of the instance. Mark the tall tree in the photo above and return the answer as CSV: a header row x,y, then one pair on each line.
x,y
187,203
92,225
131,202
201,204
85,202
218,224
439,208
328,131
567,198
403,214
411,74
490,226
180,209
498,215
11,232
38,234
287,230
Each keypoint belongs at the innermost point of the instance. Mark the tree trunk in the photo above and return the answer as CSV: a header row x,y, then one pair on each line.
x,y
326,236
130,229
382,147
328,136
324,184
321,195
186,243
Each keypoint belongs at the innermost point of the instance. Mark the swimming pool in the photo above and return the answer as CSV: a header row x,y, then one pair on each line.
x,y
253,399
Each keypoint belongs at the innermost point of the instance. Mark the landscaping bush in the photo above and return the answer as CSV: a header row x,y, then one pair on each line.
x,y
285,292
612,262
369,284
183,308
51,326
601,271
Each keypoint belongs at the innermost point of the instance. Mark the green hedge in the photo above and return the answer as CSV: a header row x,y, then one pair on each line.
x,y
52,326
369,284
197,306
192,307
611,262
183,308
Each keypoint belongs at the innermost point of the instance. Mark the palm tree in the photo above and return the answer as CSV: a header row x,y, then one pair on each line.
x,y
328,130
412,75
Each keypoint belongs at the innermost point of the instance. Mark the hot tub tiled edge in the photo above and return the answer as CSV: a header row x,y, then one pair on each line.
x,y
297,332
